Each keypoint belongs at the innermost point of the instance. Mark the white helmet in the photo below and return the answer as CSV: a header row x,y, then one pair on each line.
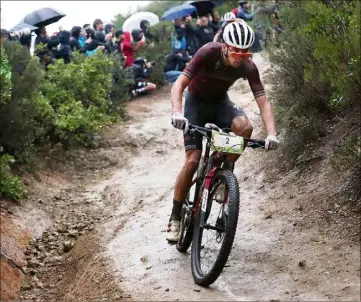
x,y
239,35
229,16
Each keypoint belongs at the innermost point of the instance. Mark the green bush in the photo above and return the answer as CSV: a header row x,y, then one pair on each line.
x,y
78,92
69,104
158,50
21,117
10,185
123,82
316,70
5,78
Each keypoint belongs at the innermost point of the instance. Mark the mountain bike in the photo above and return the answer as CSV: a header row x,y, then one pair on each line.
x,y
214,187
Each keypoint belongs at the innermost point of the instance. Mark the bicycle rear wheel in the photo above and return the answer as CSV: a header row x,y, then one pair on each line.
x,y
223,229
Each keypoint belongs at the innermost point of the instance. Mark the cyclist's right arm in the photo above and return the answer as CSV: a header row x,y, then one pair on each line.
x,y
177,92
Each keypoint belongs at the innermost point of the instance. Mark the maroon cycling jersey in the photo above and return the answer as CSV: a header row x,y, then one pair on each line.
x,y
211,78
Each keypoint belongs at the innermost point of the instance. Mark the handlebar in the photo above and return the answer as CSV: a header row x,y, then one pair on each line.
x,y
207,133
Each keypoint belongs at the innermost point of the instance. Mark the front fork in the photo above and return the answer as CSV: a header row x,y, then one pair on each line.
x,y
206,185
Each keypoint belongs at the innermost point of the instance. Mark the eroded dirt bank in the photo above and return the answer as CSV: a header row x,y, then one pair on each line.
x,y
105,238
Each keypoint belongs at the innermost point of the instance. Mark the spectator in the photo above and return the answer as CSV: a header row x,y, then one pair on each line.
x,y
242,11
74,39
205,32
145,25
82,38
65,50
191,36
178,36
141,71
42,37
215,22
94,45
98,25
129,47
46,58
175,64
109,29
119,37
263,23
26,41
117,47
86,26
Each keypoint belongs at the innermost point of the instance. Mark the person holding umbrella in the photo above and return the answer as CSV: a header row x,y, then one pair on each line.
x,y
205,32
42,37
191,36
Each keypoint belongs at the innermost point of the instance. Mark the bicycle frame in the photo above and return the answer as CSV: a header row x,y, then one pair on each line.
x,y
204,182
208,170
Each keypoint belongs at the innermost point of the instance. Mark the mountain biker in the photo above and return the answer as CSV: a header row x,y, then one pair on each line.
x,y
228,18
211,72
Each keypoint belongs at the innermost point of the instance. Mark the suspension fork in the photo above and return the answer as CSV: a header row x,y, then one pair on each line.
x,y
206,187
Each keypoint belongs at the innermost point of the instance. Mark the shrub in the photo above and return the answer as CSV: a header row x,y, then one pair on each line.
x,y
22,115
157,52
10,185
82,96
122,83
315,68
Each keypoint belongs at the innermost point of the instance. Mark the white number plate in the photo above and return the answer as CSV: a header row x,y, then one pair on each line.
x,y
228,143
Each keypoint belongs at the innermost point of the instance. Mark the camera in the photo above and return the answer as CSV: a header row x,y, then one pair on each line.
x,y
19,33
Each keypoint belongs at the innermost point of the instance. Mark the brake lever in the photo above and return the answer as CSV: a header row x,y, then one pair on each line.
x,y
213,126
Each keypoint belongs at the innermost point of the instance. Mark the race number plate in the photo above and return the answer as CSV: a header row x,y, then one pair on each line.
x,y
228,143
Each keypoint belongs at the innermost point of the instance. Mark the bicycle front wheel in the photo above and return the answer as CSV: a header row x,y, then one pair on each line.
x,y
213,239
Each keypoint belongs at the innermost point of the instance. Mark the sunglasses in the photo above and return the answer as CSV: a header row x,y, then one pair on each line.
x,y
237,53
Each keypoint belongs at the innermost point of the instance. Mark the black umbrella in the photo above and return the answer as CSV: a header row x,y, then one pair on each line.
x,y
43,17
218,2
204,7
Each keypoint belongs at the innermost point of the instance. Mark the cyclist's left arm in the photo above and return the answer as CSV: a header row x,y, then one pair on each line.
x,y
262,101
267,115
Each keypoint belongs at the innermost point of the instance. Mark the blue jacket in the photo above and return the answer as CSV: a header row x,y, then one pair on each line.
x,y
243,14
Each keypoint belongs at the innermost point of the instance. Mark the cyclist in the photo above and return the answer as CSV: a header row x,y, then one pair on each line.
x,y
228,18
211,72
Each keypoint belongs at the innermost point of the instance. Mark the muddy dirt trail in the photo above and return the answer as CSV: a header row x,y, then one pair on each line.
x,y
275,257
264,263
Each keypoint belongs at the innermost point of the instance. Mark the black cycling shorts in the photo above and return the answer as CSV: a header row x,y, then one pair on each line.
x,y
200,112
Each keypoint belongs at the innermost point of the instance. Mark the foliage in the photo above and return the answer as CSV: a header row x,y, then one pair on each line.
x,y
5,79
227,6
10,185
119,20
77,92
159,7
316,69
21,116
67,104
158,50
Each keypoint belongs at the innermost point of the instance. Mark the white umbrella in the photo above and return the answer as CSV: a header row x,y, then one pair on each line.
x,y
133,22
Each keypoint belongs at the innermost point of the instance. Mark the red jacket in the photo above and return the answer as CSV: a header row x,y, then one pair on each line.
x,y
128,49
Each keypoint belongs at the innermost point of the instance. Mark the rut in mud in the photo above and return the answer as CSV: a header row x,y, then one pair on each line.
x,y
113,228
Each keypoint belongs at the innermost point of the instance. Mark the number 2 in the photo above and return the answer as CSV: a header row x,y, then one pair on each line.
x,y
227,140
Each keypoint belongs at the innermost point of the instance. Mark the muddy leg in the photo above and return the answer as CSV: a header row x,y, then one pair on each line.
x,y
240,126
184,181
